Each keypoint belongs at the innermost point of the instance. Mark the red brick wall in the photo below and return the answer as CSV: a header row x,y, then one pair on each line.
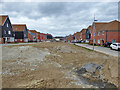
x,y
108,37
43,37
1,41
19,40
83,36
70,38
77,36
111,36
30,37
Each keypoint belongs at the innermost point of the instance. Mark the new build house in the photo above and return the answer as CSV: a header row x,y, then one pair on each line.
x,y
88,34
83,34
30,36
77,36
35,35
20,32
105,32
43,37
6,31
39,37
49,36
100,33
109,32
70,38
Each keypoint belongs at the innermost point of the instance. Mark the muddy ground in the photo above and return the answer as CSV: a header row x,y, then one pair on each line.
x,y
53,65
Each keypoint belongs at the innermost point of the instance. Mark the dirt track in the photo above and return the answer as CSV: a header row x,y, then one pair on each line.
x,y
52,65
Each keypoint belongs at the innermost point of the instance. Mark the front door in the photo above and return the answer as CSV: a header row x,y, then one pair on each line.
x,y
102,41
3,40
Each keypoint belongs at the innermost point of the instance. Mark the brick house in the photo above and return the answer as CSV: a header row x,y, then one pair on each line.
x,y
35,35
88,34
38,37
108,33
97,26
49,36
83,34
6,30
77,36
20,32
30,36
70,38
43,37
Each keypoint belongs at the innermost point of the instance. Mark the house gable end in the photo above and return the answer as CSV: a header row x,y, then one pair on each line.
x,y
7,30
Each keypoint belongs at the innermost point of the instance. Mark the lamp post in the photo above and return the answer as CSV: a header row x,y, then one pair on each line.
x,y
94,32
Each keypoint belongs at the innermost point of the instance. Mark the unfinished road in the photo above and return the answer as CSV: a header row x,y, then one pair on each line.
x,y
57,65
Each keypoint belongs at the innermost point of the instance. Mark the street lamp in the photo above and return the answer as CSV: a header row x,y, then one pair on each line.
x,y
94,32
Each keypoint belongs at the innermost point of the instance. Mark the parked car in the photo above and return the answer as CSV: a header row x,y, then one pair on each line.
x,y
115,46
82,41
107,44
78,42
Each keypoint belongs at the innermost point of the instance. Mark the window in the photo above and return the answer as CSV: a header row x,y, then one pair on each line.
x,y
98,41
102,32
4,32
20,39
98,33
9,32
24,35
7,24
15,39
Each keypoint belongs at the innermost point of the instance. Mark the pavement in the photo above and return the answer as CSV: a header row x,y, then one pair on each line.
x,y
105,50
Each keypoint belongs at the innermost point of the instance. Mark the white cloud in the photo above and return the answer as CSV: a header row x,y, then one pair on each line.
x,y
59,18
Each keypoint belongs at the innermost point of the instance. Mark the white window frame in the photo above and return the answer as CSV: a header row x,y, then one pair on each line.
x,y
98,33
24,35
21,40
7,25
99,41
9,32
103,32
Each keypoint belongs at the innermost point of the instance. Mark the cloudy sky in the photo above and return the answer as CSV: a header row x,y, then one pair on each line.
x,y
59,18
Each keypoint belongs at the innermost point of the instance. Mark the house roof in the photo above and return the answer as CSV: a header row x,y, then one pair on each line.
x,y
2,19
99,25
89,28
113,25
77,34
83,30
33,31
18,27
38,33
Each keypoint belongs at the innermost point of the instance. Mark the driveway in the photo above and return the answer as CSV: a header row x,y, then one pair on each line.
x,y
100,49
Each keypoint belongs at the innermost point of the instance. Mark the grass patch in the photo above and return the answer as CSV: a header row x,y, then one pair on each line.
x,y
13,43
84,47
